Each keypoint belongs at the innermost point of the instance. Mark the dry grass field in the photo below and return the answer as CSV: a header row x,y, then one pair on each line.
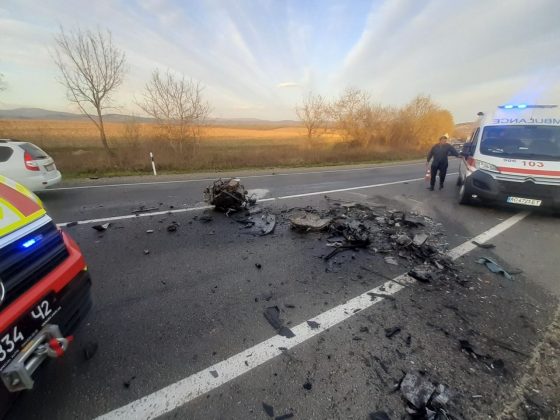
x,y
77,150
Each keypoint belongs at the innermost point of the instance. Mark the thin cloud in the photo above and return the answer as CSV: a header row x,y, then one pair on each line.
x,y
288,85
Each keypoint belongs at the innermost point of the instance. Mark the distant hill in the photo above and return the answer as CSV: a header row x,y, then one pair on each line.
x,y
37,114
45,114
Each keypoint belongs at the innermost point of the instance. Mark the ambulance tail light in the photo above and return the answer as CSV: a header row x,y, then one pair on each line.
x,y
480,164
30,163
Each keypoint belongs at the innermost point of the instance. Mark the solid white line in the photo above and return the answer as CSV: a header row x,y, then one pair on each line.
x,y
187,389
132,184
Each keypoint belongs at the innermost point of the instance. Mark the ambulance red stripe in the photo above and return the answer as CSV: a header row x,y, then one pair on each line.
x,y
528,171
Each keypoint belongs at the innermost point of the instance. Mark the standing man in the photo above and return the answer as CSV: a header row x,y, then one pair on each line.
x,y
440,152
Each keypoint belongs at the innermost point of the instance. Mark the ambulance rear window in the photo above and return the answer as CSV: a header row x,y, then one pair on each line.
x,y
521,142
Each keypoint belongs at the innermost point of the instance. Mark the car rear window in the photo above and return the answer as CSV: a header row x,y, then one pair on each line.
x,y
34,151
5,153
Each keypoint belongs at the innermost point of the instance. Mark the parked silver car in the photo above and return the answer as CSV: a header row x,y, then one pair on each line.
x,y
28,164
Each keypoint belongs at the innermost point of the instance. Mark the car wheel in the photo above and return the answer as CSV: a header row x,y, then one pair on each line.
x,y
459,181
464,194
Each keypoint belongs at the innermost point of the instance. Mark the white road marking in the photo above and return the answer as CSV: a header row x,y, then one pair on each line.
x,y
132,184
286,197
468,246
133,216
258,193
187,389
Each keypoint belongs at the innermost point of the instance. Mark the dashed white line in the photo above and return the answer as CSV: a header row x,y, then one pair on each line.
x,y
185,181
186,390
487,235
286,197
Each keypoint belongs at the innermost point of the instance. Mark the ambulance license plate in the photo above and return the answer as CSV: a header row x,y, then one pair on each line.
x,y
13,339
524,201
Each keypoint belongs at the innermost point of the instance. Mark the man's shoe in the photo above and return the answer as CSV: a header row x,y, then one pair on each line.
x,y
431,188
441,187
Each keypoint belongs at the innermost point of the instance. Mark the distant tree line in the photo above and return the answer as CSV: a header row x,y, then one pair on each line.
x,y
363,122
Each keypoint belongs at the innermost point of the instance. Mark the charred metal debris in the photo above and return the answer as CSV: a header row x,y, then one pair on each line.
x,y
401,238
228,195
425,399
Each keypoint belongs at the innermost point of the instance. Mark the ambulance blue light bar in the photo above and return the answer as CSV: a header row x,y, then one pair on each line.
x,y
30,242
524,106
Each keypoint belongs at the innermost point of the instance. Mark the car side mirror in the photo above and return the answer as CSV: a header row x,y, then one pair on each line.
x,y
467,150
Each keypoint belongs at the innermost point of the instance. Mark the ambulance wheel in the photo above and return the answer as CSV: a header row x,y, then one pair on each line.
x,y
464,195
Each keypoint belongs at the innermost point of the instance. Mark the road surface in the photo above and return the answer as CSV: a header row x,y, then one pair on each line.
x,y
176,328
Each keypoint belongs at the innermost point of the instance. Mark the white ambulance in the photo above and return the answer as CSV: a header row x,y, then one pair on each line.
x,y
513,156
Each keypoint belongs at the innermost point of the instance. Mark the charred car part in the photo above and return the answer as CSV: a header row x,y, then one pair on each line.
x,y
228,195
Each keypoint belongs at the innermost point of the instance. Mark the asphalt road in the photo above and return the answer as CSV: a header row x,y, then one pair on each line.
x,y
197,300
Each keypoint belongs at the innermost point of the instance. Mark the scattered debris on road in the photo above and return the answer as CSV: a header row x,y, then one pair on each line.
x,y
309,222
484,245
420,239
492,364
90,349
391,260
390,332
425,399
284,416
227,195
420,274
261,226
101,228
128,382
494,267
313,325
144,209
379,415
268,409
272,315
172,227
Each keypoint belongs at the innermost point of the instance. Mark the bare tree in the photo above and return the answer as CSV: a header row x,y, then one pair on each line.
x,y
91,68
178,106
312,113
421,122
357,118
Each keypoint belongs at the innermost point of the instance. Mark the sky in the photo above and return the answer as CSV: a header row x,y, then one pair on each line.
x,y
258,58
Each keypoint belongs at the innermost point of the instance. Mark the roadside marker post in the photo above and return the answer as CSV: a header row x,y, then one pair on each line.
x,y
153,163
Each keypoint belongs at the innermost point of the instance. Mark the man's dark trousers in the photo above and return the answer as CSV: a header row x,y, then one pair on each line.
x,y
442,168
